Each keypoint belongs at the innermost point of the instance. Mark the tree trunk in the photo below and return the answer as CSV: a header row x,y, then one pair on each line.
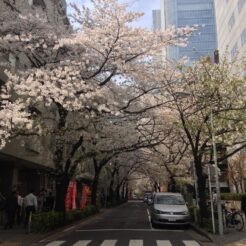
x,y
172,184
95,188
62,183
201,183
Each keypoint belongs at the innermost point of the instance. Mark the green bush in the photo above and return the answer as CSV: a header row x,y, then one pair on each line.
x,y
46,221
232,196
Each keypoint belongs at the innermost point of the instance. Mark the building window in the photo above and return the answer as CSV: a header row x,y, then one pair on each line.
x,y
243,37
240,5
234,51
231,22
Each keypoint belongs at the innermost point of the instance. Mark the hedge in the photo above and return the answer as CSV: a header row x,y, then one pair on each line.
x,y
46,221
232,196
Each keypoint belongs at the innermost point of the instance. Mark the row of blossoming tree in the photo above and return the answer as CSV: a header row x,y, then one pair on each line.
x,y
98,90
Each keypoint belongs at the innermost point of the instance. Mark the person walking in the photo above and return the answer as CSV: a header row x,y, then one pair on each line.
x,y
30,205
19,208
243,204
11,208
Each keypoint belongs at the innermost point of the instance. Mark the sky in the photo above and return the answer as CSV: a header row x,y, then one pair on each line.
x,y
145,6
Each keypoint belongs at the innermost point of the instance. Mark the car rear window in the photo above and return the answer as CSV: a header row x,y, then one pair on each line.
x,y
169,200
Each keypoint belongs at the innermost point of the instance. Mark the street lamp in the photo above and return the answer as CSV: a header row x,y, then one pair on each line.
x,y
217,183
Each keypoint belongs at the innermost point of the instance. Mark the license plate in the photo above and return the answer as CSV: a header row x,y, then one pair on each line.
x,y
171,219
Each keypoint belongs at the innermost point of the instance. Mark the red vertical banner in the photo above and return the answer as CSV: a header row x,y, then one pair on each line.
x,y
70,200
84,196
74,195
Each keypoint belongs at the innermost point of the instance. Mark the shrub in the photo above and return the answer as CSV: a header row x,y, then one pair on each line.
x,y
232,196
46,221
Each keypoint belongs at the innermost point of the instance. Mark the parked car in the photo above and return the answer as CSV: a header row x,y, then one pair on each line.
x,y
147,197
169,208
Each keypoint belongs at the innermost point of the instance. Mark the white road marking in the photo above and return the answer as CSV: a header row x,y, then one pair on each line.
x,y
69,229
191,243
147,230
149,217
56,243
163,243
109,243
136,243
82,243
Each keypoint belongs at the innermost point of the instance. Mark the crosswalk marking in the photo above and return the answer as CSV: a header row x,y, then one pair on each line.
x,y
191,243
82,243
56,243
136,243
163,243
109,243
131,243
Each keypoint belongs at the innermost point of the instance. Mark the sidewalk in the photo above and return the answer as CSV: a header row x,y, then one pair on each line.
x,y
18,237
230,238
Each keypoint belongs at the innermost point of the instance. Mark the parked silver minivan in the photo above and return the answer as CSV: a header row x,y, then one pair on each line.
x,y
169,208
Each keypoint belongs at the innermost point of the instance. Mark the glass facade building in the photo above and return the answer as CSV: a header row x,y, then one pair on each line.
x,y
182,13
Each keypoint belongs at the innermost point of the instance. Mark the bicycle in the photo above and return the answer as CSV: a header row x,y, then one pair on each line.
x,y
233,219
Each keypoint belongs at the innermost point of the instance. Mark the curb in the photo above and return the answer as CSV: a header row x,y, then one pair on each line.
x,y
202,232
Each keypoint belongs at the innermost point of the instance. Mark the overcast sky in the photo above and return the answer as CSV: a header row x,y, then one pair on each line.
x,y
145,6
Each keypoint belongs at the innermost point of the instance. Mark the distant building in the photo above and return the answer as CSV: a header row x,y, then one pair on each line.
x,y
231,26
182,13
156,18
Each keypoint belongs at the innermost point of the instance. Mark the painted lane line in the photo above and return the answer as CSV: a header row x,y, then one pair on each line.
x,y
69,229
144,230
56,243
191,243
109,242
163,243
136,243
82,243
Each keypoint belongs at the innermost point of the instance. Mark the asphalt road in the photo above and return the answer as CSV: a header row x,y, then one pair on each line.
x,y
126,225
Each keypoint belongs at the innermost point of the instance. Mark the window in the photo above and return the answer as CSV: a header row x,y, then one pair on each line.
x,y
243,37
201,6
240,5
231,22
234,51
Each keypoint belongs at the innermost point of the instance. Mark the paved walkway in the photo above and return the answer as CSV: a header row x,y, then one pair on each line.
x,y
14,237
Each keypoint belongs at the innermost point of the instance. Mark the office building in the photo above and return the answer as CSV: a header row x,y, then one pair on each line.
x,y
156,17
231,26
181,13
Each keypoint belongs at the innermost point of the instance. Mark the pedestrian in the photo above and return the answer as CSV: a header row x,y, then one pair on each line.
x,y
50,200
2,208
31,205
243,204
42,200
19,208
11,208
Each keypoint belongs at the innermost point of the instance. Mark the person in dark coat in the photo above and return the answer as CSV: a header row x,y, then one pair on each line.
x,y
11,208
243,204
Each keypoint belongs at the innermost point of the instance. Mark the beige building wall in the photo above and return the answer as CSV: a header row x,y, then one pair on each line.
x,y
231,26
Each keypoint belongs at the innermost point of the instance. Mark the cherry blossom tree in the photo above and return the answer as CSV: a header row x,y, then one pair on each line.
x,y
197,91
66,73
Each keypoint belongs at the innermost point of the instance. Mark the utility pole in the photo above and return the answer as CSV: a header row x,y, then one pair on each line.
x,y
219,208
211,198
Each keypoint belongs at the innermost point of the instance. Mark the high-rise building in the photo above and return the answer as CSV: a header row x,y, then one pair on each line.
x,y
182,13
156,17
231,26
